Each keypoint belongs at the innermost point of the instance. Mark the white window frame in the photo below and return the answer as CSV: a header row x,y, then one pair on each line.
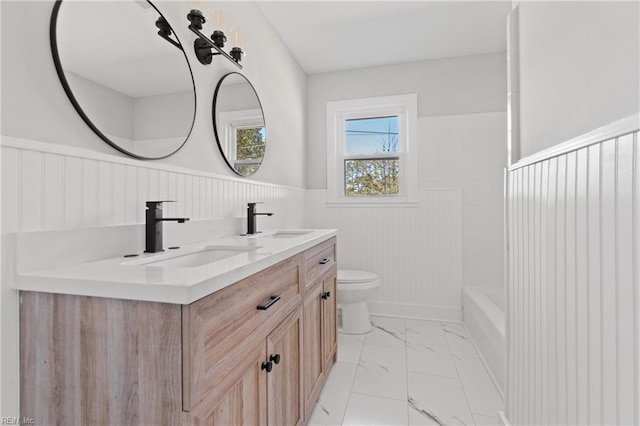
x,y
230,121
405,107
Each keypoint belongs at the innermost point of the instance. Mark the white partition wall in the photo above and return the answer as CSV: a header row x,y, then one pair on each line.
x,y
574,292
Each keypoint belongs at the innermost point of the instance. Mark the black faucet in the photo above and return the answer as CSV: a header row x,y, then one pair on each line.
x,y
251,218
153,225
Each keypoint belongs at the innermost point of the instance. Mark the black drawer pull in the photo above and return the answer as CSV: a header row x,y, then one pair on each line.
x,y
275,358
325,261
326,295
267,305
267,366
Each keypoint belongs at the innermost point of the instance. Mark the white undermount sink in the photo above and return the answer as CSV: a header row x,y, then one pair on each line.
x,y
194,259
287,234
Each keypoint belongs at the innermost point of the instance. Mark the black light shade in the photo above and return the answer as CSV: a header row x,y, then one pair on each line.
x,y
203,45
236,53
218,38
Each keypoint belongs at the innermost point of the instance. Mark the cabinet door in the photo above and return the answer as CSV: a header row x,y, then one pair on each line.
x,y
284,382
246,402
312,352
329,324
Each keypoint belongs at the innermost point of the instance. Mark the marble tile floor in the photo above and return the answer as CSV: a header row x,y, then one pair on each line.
x,y
408,372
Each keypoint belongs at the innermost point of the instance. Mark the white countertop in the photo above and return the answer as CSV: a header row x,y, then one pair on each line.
x,y
126,278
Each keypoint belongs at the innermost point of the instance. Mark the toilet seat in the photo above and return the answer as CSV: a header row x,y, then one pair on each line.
x,y
346,276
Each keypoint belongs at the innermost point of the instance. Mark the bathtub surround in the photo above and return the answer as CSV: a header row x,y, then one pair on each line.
x,y
484,318
573,295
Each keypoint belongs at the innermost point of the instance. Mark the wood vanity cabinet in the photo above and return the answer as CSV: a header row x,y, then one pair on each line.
x,y
220,360
260,397
320,346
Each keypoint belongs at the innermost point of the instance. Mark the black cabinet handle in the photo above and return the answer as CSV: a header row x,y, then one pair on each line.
x,y
267,305
325,261
326,295
267,366
275,358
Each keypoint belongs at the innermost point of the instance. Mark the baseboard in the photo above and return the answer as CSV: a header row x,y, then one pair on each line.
x,y
411,311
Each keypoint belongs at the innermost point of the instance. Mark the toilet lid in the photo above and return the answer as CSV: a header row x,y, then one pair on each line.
x,y
346,276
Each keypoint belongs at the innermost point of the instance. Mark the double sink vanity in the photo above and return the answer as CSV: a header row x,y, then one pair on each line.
x,y
235,330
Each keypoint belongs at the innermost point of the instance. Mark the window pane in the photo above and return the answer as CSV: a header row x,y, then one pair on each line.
x,y
371,177
250,142
371,135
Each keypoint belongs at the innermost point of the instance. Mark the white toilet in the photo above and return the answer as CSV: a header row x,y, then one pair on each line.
x,y
354,289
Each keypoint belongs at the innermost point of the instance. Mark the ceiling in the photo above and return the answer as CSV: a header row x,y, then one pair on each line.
x,y
330,36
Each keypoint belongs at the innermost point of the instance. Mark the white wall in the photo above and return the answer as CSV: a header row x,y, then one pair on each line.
x,y
126,119
32,91
462,85
108,109
162,116
454,237
573,328
579,68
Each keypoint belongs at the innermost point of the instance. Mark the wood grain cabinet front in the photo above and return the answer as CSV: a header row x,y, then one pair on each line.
x,y
267,389
329,320
253,353
320,332
222,328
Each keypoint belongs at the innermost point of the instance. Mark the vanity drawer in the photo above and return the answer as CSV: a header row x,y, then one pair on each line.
x,y
222,328
319,260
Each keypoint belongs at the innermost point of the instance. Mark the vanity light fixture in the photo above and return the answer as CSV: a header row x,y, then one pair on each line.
x,y
165,31
203,44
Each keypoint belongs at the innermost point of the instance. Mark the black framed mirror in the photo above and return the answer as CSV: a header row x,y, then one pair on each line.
x,y
125,73
238,123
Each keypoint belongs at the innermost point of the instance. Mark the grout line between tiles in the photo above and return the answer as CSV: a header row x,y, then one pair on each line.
x,y
355,374
466,397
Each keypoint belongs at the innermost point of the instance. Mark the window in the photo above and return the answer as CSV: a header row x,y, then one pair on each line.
x,y
371,155
244,139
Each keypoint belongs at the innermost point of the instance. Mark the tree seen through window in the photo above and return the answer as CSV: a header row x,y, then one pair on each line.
x,y
250,145
378,175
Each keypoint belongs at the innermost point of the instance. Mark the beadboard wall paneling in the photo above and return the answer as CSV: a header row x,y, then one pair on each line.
x,y
469,152
46,187
416,251
574,285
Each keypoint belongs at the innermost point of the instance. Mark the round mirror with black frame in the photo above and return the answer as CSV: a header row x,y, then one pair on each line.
x,y
126,74
238,123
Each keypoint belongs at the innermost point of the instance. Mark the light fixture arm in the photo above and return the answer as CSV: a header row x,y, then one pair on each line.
x,y
203,44
165,31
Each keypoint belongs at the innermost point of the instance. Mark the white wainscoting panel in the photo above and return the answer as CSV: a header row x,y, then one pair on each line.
x,y
46,187
416,251
574,285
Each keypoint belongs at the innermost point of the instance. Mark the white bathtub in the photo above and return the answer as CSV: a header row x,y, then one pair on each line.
x,y
483,315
